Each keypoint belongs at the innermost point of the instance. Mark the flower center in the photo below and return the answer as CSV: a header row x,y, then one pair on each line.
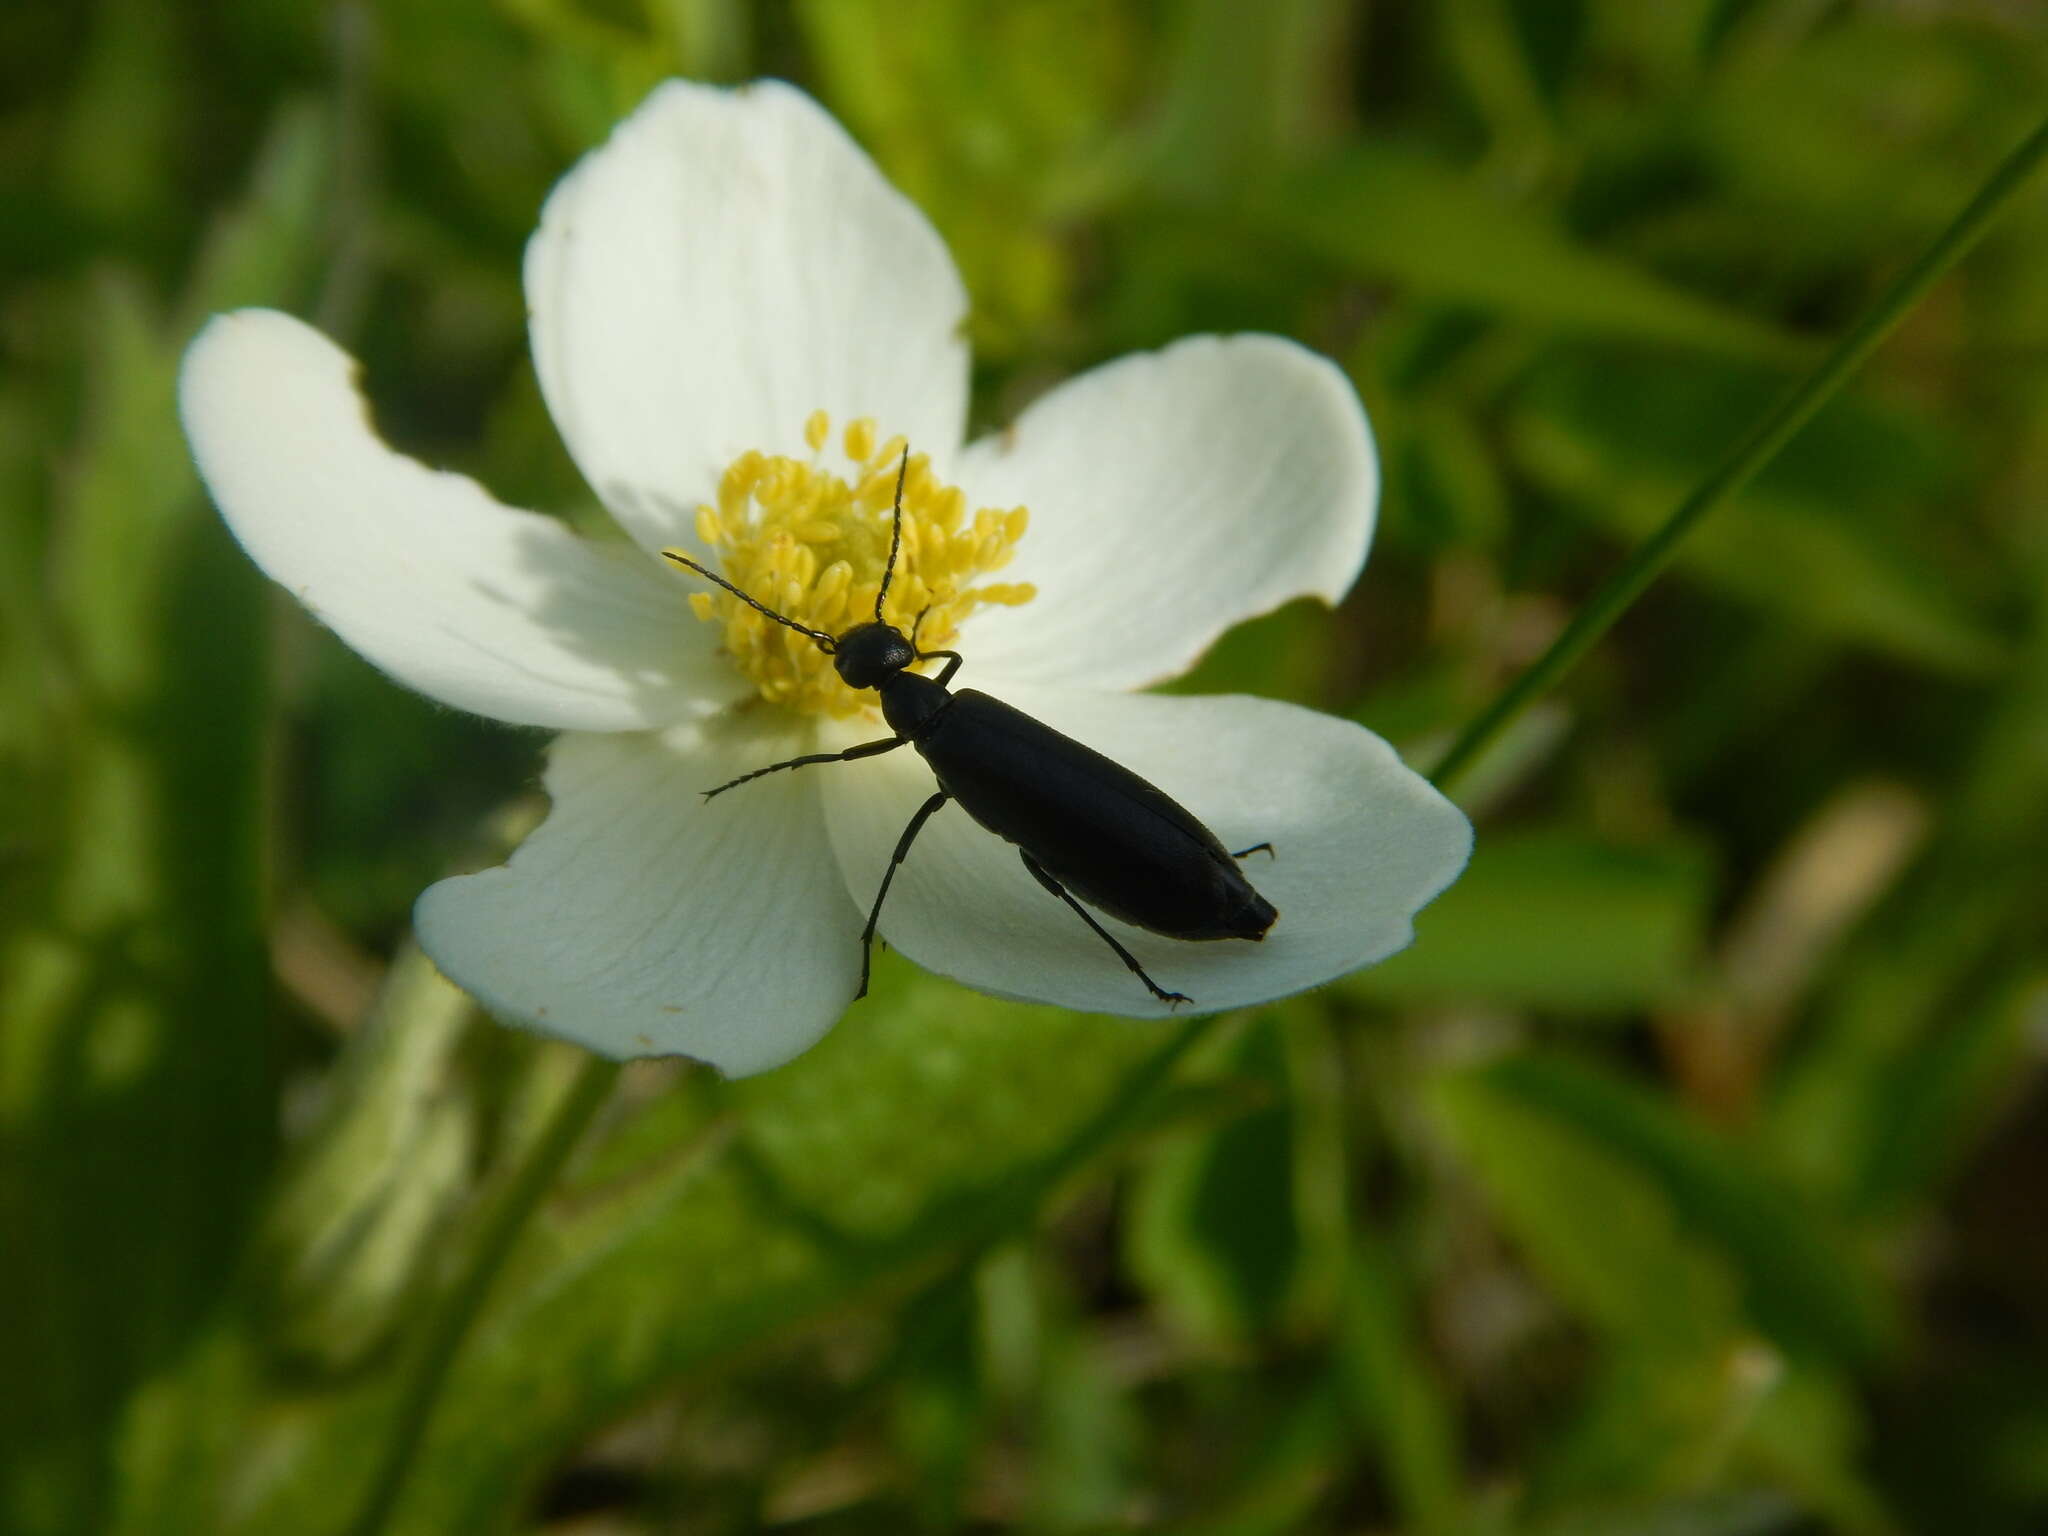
x,y
812,542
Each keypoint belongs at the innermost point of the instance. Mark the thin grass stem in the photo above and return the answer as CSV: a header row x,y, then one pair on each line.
x,y
1749,454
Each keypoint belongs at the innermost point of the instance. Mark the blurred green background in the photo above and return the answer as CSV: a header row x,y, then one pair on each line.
x,y
1686,1177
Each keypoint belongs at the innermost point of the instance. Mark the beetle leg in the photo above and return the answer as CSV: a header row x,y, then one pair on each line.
x,y
865,749
946,673
1265,848
867,934
952,666
1038,873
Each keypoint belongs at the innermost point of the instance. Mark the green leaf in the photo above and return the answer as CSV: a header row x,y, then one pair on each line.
x,y
993,120
260,250
1905,1061
115,156
30,682
353,1218
1604,1233
1738,1512
1239,1229
935,1393
1822,539
1390,214
1809,1437
1403,1410
1212,1231
1691,1195
1654,1423
1672,1250
1554,918
1859,139
1830,1108
1243,88
797,1197
1085,1439
180,1433
1946,1097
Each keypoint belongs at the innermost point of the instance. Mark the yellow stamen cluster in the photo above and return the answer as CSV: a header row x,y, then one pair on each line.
x,y
813,543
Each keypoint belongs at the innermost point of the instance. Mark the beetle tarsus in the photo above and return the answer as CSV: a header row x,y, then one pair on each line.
x,y
1038,873
1265,848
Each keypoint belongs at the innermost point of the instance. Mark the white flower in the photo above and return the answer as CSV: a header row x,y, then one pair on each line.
x,y
733,317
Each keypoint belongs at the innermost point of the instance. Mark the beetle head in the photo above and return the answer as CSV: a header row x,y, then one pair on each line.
x,y
867,655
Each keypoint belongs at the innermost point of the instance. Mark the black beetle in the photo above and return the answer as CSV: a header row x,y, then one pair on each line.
x,y
1086,826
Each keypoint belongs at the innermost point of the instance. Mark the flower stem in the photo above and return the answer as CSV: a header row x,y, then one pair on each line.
x,y
452,1319
1745,458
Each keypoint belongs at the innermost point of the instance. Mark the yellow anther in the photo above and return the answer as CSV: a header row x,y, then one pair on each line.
x,y
811,540
832,582
860,440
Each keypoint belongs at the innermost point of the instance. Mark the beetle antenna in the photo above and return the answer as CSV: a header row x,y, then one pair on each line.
x,y
895,533
825,641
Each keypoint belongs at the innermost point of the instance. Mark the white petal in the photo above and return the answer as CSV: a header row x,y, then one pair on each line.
x,y
1360,844
1172,495
727,263
502,612
643,920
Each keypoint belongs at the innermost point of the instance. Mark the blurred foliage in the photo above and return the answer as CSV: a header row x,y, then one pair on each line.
x,y
1684,1177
